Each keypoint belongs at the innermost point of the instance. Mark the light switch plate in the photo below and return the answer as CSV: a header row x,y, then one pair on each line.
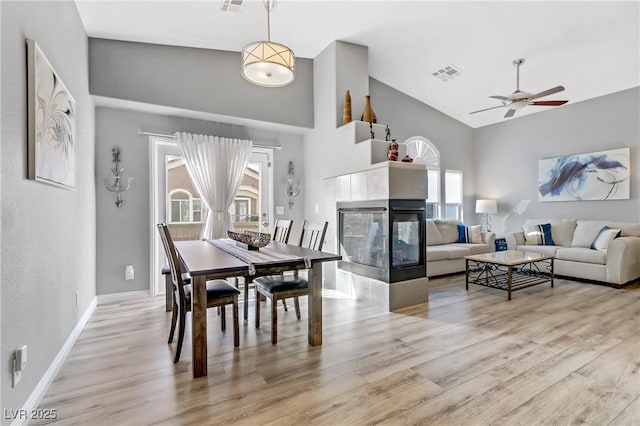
x,y
279,209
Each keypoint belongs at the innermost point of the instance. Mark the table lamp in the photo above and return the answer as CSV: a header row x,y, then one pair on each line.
x,y
487,207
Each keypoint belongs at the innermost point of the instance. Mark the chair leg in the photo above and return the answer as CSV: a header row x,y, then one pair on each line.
x,y
174,319
181,327
274,321
246,298
236,329
257,308
223,318
296,302
284,304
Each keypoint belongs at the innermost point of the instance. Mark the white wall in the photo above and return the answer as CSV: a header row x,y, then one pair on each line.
x,y
506,157
124,234
48,241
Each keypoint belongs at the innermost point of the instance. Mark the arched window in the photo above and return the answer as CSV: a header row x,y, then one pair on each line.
x,y
423,151
184,208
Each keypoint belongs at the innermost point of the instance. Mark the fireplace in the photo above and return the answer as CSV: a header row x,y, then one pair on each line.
x,y
383,239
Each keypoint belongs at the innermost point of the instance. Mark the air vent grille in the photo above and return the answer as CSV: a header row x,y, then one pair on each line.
x,y
446,73
232,5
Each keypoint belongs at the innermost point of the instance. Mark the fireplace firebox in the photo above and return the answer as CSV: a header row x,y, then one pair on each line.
x,y
383,239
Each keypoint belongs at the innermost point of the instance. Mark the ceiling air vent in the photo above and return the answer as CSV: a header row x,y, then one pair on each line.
x,y
232,5
447,73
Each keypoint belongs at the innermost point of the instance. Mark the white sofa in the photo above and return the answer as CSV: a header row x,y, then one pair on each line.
x,y
444,254
619,264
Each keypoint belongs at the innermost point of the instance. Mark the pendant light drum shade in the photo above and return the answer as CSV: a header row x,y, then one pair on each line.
x,y
268,64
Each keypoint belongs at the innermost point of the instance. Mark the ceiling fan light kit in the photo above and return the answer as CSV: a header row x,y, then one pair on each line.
x,y
520,99
267,63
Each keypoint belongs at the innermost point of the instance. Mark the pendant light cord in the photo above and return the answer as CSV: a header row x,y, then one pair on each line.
x,y
268,6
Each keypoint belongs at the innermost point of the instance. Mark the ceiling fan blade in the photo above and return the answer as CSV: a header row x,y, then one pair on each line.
x,y
548,92
502,98
486,109
548,103
510,113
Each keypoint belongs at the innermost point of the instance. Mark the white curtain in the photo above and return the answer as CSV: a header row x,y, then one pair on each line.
x,y
216,166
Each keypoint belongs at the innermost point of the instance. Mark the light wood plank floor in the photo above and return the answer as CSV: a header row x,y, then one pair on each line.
x,y
567,355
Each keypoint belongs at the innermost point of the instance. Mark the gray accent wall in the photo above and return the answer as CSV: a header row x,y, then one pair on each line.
x,y
198,80
506,158
124,234
48,241
407,117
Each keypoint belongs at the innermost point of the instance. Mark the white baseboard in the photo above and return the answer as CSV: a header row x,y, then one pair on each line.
x,y
118,297
43,385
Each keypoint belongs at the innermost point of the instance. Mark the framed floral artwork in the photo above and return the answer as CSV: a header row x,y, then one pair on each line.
x,y
51,118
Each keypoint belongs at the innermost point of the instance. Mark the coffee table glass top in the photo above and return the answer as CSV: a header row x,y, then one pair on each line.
x,y
509,257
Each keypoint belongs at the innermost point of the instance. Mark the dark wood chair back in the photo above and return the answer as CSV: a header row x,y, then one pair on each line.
x,y
312,235
174,264
282,230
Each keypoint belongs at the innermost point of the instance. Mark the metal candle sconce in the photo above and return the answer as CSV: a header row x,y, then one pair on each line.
x,y
117,171
291,190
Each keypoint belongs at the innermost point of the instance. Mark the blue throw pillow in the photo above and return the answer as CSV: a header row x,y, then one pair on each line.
x,y
604,237
538,235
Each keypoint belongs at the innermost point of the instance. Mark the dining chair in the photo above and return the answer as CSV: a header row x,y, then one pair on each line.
x,y
280,287
219,294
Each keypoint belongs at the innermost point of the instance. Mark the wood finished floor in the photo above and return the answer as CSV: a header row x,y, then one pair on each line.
x,y
567,355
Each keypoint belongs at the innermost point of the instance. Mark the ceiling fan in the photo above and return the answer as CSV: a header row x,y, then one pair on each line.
x,y
519,99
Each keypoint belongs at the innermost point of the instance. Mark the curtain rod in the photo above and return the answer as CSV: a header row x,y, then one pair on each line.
x,y
257,145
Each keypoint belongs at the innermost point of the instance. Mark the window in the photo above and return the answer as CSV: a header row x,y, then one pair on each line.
x,y
423,151
184,208
453,194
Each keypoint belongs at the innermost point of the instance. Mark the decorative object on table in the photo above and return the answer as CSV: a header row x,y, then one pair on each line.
x,y
266,63
292,190
250,240
52,120
368,115
387,134
392,153
603,175
501,244
407,159
373,135
486,207
117,171
346,109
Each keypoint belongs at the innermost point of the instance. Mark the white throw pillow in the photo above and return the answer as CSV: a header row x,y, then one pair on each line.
x,y
470,234
538,235
605,236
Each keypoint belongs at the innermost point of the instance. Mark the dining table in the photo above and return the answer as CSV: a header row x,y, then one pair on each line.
x,y
214,259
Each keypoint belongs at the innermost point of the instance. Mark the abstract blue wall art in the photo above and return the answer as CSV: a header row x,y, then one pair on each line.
x,y
601,175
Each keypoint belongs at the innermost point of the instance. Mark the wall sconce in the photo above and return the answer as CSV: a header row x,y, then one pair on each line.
x,y
117,170
291,190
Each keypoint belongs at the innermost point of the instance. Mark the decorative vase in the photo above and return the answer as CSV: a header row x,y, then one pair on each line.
x,y
407,159
346,110
368,115
392,153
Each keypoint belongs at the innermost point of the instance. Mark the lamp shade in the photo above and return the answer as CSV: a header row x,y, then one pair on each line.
x,y
268,64
486,206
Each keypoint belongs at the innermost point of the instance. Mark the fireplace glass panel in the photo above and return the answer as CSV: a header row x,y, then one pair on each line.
x,y
406,240
363,238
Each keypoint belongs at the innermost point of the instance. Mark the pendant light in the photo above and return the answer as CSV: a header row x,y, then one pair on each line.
x,y
266,63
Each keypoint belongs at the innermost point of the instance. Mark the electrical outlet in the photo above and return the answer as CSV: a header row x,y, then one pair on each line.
x,y
19,364
129,272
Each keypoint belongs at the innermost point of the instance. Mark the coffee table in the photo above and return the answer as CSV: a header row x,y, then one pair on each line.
x,y
509,270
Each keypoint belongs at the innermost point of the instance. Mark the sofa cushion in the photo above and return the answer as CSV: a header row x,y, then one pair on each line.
x,y
448,229
437,253
536,235
561,229
539,249
581,254
475,248
433,234
586,232
469,234
457,251
605,236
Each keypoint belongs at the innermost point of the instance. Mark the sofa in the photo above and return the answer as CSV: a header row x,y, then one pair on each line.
x,y
571,242
444,254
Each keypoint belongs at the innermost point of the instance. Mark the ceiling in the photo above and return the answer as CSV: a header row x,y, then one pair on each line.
x,y
591,48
